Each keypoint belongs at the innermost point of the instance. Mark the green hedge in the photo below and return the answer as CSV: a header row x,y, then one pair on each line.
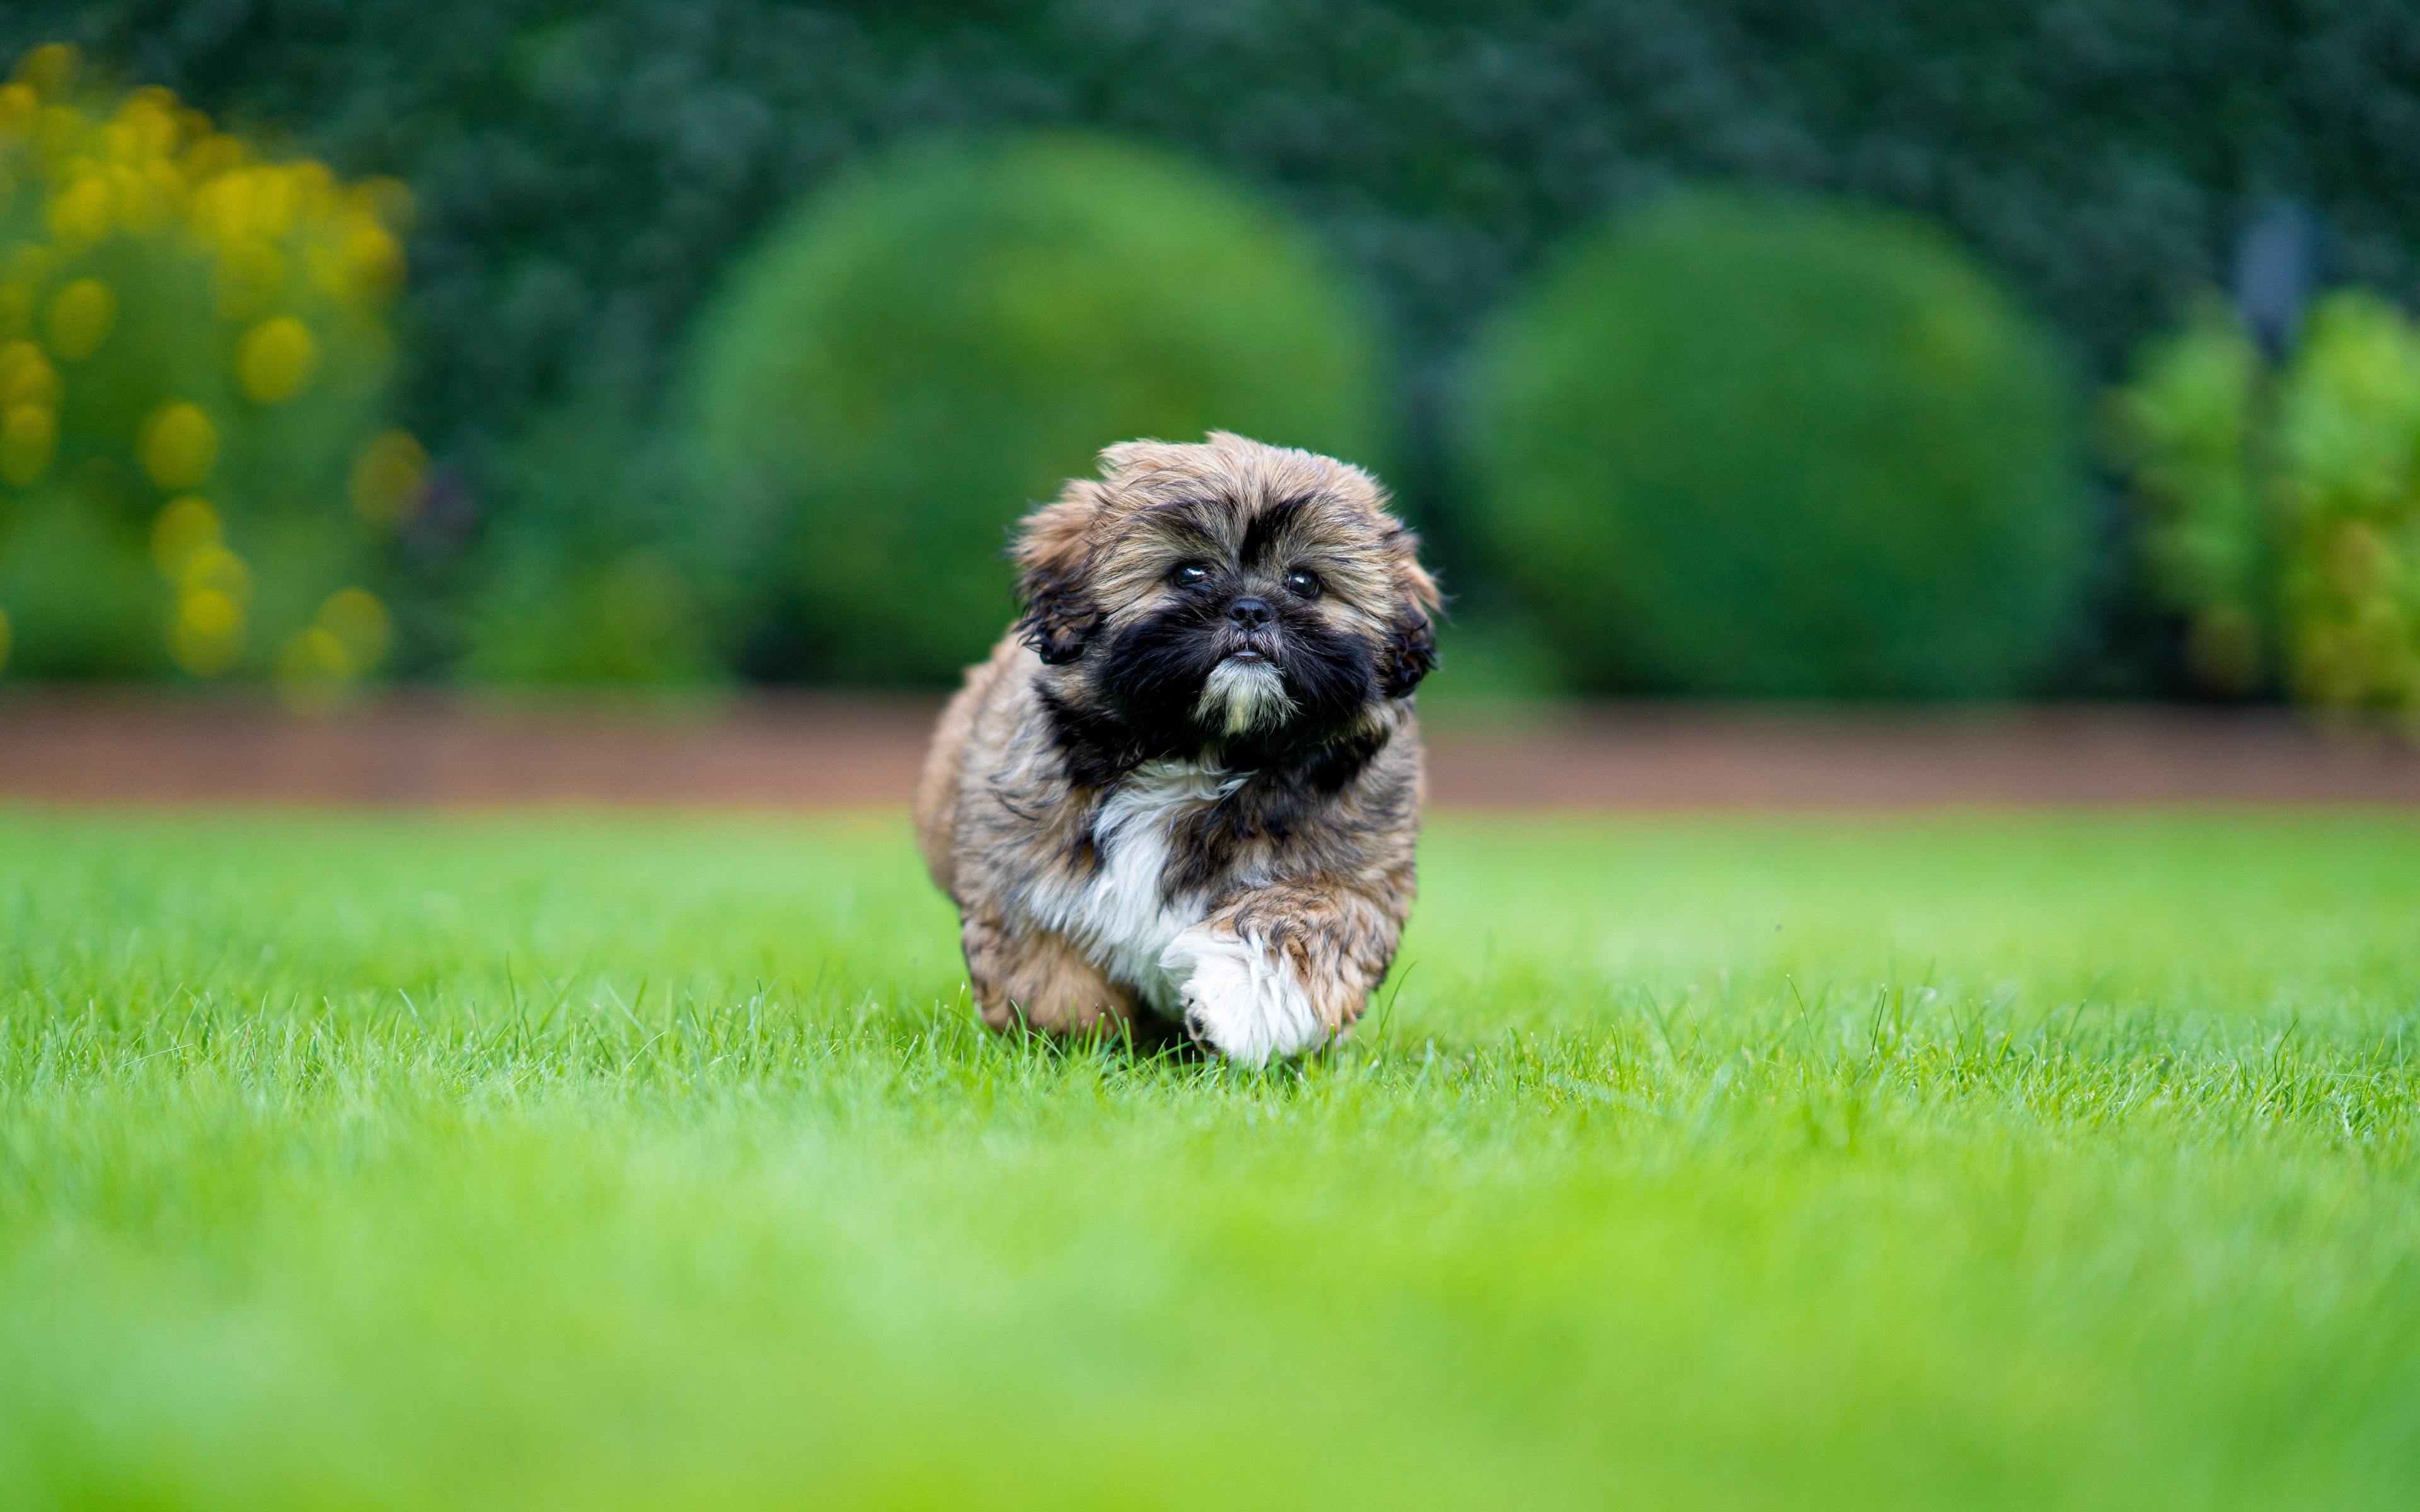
x,y
936,342
1751,446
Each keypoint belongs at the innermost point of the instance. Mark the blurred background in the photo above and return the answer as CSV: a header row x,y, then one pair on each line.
x,y
1878,352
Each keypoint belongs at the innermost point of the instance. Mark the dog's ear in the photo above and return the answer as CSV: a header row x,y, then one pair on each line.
x,y
1053,553
1410,652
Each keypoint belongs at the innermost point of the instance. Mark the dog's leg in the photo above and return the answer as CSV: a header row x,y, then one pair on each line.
x,y
1282,970
1039,980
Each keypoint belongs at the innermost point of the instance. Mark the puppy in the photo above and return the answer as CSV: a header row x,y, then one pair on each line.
x,y
1183,790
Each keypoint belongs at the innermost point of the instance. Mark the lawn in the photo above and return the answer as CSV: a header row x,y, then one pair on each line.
x,y
616,1162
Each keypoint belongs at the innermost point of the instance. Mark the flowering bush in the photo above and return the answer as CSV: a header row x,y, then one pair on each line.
x,y
192,366
2284,510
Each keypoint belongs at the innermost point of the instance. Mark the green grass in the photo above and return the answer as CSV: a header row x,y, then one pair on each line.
x,y
646,1162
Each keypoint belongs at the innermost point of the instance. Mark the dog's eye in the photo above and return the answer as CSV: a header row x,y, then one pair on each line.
x,y
1191,575
1302,584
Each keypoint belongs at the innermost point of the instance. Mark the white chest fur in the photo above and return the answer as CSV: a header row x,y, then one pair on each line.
x,y
1120,914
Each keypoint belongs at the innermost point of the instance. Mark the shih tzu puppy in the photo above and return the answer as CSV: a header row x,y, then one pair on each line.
x,y
1183,790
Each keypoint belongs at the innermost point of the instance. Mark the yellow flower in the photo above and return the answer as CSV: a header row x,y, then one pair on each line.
x,y
213,156
179,445
153,117
185,530
211,615
312,670
370,261
387,478
275,360
206,636
56,130
26,377
218,208
29,438
83,211
167,184
52,67
216,570
81,318
315,651
314,188
143,208
359,623
274,200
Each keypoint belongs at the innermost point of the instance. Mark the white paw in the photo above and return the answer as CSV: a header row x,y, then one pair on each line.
x,y
1240,997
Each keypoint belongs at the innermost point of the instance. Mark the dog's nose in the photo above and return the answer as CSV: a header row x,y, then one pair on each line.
x,y
1248,613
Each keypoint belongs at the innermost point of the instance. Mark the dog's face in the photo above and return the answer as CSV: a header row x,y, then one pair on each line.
x,y
1228,594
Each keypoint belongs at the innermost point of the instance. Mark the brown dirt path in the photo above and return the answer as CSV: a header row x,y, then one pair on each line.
x,y
804,750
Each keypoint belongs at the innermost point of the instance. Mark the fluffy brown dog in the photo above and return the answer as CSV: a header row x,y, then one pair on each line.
x,y
1185,788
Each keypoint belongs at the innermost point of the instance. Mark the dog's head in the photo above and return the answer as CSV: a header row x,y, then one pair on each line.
x,y
1227,594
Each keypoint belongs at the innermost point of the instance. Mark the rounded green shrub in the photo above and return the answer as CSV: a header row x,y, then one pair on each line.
x,y
1769,447
940,339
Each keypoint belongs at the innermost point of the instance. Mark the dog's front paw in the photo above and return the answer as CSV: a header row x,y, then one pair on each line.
x,y
1240,997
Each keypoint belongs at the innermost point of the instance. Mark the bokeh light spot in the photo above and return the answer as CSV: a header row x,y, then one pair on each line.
x,y
359,622
83,211
216,570
275,360
29,438
50,68
388,478
206,636
185,528
179,446
26,377
82,318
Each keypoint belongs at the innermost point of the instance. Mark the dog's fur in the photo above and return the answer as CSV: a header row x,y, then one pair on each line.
x,y
1149,807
